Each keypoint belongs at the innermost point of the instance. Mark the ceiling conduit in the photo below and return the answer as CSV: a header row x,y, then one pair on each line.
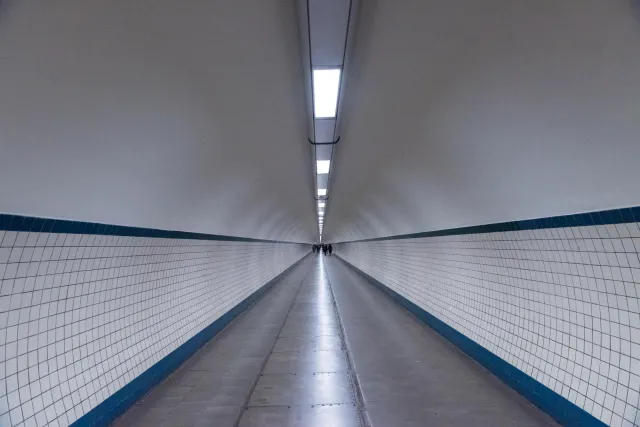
x,y
327,29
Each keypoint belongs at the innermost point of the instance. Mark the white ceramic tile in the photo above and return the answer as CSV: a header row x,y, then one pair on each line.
x,y
72,306
560,304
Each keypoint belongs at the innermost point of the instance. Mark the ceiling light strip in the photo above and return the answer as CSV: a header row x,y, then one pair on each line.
x,y
328,27
326,84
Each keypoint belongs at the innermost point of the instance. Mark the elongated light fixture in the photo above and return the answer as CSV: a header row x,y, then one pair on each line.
x,y
326,33
326,84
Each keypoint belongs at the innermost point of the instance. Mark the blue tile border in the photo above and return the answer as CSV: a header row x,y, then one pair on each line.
x,y
118,403
612,216
559,408
10,222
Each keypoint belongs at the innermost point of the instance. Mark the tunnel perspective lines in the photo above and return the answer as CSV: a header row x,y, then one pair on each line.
x,y
326,32
325,348
551,305
282,363
408,375
92,319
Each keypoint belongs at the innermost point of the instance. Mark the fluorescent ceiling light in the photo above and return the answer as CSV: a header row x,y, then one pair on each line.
x,y
322,166
321,213
322,191
326,84
321,204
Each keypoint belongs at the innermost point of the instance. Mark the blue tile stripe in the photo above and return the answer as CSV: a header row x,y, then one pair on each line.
x,y
118,403
612,216
9,222
562,410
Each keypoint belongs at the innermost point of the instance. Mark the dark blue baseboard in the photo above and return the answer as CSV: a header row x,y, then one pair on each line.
x,y
559,408
118,403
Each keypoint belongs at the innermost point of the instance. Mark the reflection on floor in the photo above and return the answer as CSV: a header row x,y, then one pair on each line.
x,y
325,348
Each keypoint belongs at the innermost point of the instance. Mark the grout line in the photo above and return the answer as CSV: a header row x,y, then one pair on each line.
x,y
527,391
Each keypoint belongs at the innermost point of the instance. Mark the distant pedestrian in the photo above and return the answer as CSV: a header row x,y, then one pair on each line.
x,y
330,249
324,249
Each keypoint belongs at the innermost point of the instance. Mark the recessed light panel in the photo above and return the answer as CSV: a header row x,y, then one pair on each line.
x,y
322,166
326,83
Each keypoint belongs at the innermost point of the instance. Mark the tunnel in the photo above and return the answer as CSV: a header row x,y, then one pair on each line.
x,y
310,213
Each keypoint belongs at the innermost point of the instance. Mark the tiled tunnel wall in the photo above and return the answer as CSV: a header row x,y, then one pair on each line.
x,y
560,304
83,315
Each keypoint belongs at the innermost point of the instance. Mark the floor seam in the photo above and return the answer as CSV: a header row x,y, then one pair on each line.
x,y
245,406
303,373
352,373
304,405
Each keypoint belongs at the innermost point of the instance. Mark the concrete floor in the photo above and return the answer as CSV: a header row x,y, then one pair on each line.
x,y
325,348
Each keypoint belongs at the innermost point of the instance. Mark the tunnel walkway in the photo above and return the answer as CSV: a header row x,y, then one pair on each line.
x,y
325,348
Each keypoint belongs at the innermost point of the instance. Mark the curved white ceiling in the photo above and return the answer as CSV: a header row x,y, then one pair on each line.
x,y
465,112
192,116
186,115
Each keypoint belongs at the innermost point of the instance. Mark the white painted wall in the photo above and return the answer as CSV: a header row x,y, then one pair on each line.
x,y
464,112
156,113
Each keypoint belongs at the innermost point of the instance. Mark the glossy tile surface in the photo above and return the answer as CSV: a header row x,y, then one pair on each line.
x,y
326,348
213,387
409,375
